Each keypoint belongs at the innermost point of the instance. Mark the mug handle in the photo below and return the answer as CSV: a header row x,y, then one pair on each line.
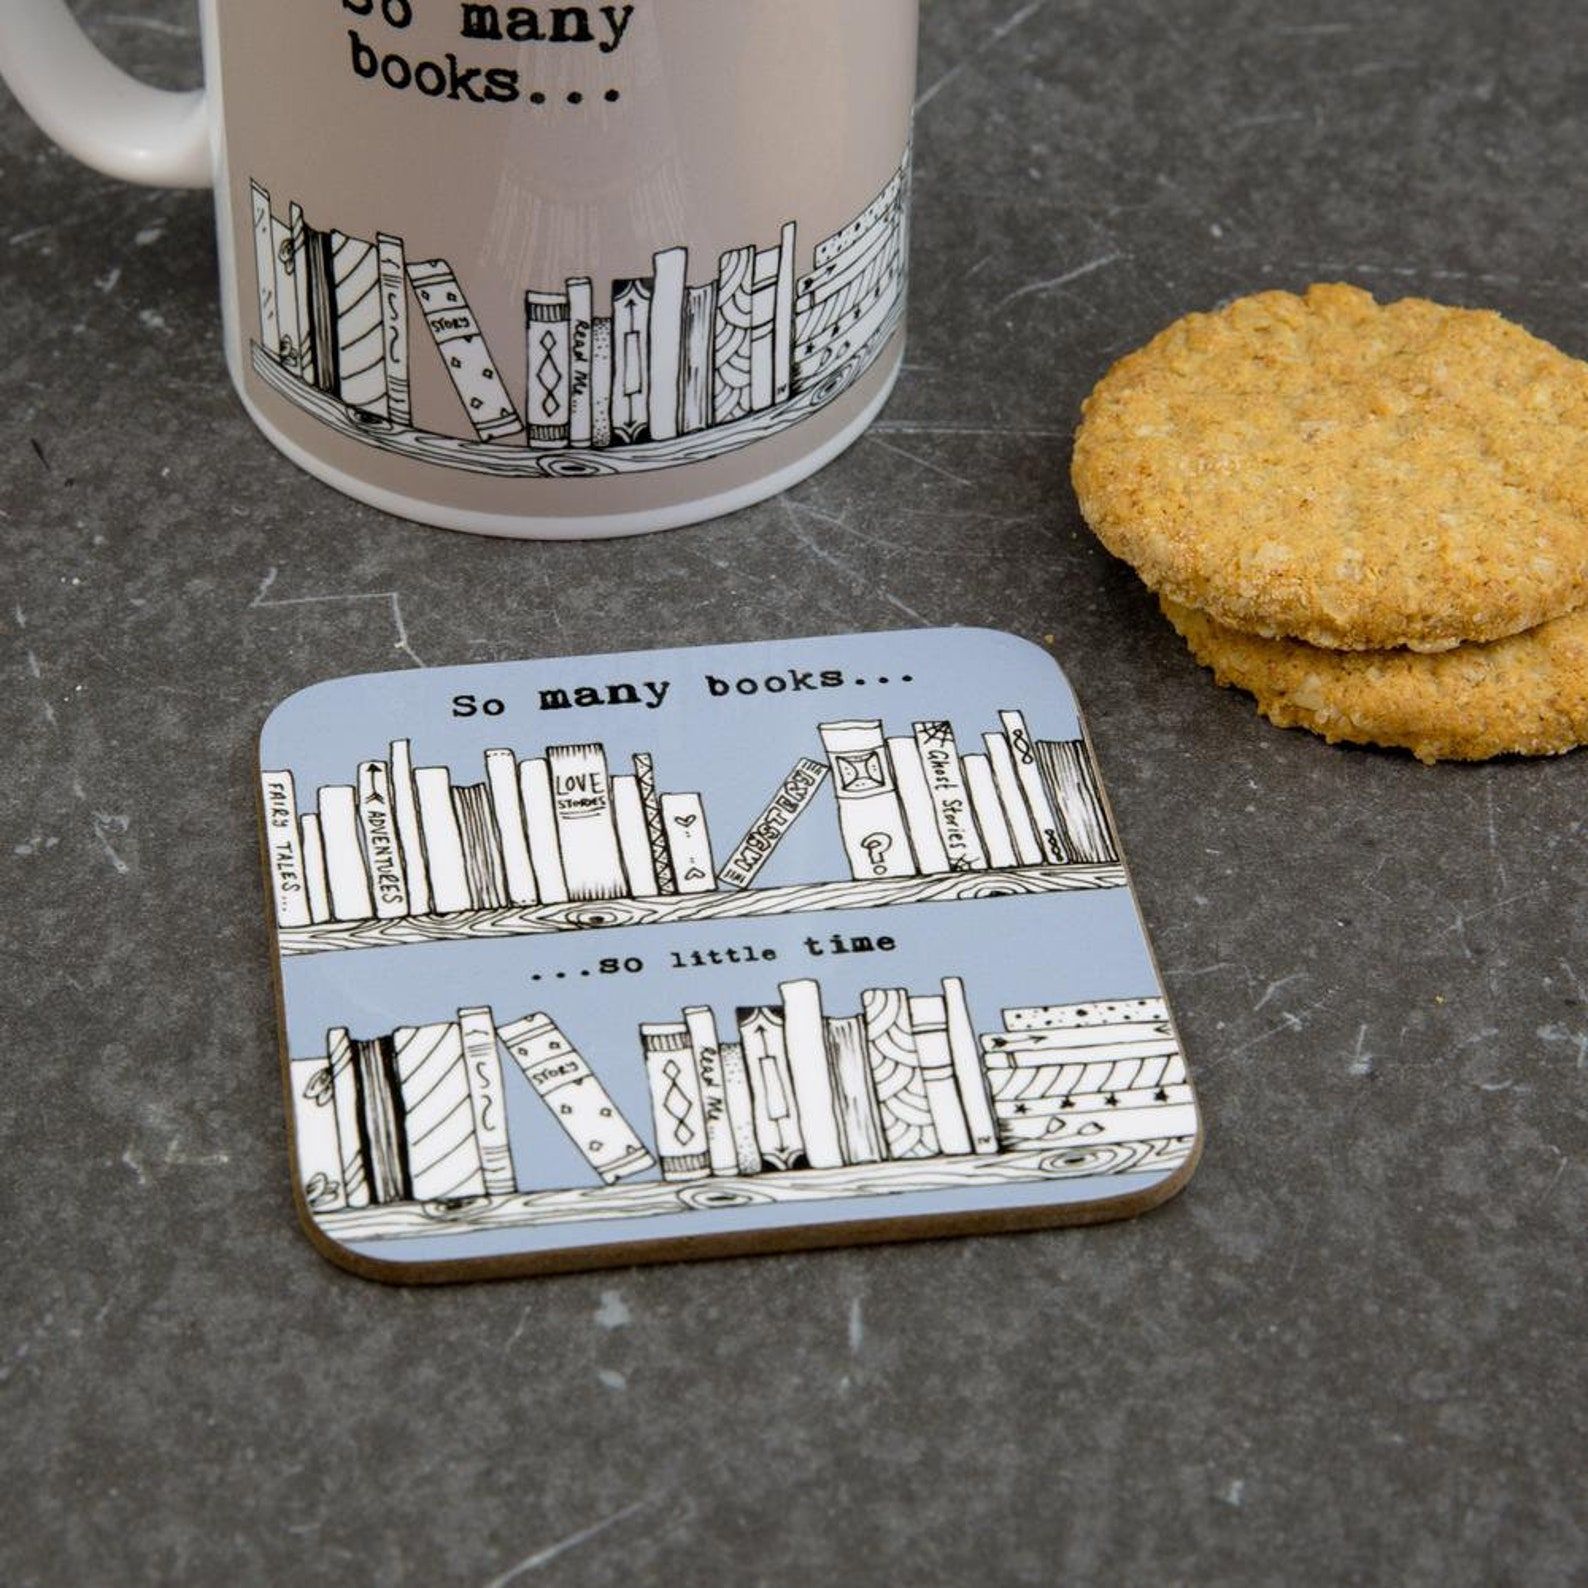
x,y
94,110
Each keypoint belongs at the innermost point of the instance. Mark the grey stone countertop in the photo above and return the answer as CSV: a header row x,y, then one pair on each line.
x,y
1351,1351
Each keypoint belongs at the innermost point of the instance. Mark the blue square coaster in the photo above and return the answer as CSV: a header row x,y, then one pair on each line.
x,y
622,958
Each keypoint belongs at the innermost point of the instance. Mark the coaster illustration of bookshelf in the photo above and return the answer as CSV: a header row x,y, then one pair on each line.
x,y
672,372
713,950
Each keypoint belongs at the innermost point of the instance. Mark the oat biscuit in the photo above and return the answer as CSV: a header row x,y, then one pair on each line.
x,y
1353,474
1526,694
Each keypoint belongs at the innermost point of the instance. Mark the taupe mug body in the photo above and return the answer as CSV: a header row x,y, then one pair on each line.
x,y
551,271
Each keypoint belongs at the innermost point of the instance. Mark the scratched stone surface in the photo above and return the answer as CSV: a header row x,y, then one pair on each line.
x,y
1351,1352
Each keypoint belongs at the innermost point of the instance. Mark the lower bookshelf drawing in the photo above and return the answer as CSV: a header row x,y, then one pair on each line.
x,y
409,1133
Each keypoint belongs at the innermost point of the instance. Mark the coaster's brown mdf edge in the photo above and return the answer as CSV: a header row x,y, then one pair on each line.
x,y
753,1243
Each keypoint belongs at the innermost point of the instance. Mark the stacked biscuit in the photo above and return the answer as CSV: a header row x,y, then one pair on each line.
x,y
1372,517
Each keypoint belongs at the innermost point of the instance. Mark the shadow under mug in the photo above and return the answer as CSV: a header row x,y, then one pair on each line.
x,y
543,271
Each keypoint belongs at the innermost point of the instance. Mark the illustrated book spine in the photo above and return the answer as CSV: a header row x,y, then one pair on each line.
x,y
832,249
631,331
449,878
1094,1122
969,1074
314,875
805,1044
303,310
777,1127
378,834
405,807
344,854
763,334
443,1143
990,819
731,342
343,1070
322,308
1022,830
1067,771
678,1110
792,799
870,815
601,382
634,843
655,828
725,1096
668,291
783,317
857,283
581,333
317,1145
929,1019
698,381
1123,1035
290,348
951,802
688,842
896,1070
487,1100
741,1109
548,369
1096,1044
360,357
540,822
381,1116
1022,751
468,360
920,813
265,272
394,327
482,848
1099,1012
1157,1080
592,863
713,1095
578,1101
860,1129
507,811
289,884
1098,1103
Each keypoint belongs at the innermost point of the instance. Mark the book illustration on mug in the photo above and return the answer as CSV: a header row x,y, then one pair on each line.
x,y
675,372
411,1132
559,841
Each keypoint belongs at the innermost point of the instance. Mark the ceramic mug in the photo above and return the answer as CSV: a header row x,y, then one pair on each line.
x,y
551,271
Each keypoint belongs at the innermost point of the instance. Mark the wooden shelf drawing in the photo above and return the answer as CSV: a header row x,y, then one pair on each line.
x,y
651,1199
722,905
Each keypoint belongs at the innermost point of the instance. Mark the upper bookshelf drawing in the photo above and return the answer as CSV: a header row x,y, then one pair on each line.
x,y
655,372
563,840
